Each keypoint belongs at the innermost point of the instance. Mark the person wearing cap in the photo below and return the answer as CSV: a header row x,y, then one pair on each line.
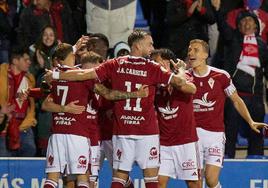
x,y
246,57
121,49
255,7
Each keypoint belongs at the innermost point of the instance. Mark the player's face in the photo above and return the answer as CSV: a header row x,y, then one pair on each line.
x,y
196,55
146,46
23,63
48,37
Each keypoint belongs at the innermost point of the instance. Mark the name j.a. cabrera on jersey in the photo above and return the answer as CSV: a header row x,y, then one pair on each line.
x,y
134,116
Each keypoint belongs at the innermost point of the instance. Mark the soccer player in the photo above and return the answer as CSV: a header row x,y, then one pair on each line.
x,y
178,138
135,131
69,144
213,86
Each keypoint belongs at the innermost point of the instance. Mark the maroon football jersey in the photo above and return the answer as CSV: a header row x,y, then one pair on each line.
x,y
209,99
64,92
128,73
105,116
175,116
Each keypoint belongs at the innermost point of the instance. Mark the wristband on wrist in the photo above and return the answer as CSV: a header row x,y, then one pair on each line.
x,y
56,75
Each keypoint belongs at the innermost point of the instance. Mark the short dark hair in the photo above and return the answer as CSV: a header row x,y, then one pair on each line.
x,y
17,52
102,37
164,53
136,35
202,42
62,51
91,57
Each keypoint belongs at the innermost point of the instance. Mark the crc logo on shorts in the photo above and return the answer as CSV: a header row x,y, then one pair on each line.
x,y
215,151
50,160
118,154
188,165
82,162
153,153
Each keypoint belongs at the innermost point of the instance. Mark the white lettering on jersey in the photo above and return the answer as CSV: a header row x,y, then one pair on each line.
x,y
168,112
132,120
59,120
132,72
203,104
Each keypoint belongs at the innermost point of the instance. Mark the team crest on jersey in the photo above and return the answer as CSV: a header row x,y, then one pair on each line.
x,y
211,82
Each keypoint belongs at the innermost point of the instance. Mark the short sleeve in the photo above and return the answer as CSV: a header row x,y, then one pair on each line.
x,y
159,74
227,84
105,70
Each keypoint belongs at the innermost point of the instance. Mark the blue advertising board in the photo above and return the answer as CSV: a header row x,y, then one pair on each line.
x,y
29,173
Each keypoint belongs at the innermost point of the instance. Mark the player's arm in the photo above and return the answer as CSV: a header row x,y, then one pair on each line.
x,y
242,109
178,80
188,88
110,94
71,75
72,107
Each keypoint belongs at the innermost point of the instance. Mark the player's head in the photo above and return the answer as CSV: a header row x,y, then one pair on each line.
x,y
163,57
99,44
64,54
141,43
197,52
90,60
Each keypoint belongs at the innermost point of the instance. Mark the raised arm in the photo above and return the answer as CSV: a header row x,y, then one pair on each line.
x,y
72,107
243,111
179,67
110,94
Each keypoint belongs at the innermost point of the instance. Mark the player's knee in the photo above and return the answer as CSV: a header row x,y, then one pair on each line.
x,y
82,181
193,184
212,181
218,185
162,181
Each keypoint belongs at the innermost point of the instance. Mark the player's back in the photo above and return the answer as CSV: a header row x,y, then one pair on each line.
x,y
64,92
134,116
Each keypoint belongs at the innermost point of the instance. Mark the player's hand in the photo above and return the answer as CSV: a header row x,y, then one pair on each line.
x,y
179,66
73,108
143,91
81,42
255,126
48,76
